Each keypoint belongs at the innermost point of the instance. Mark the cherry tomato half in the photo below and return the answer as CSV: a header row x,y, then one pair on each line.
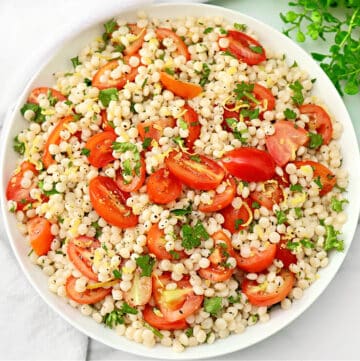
x,y
135,45
236,219
110,202
201,173
181,47
155,130
137,179
257,295
33,97
265,96
284,254
100,147
180,88
40,235
192,120
272,194
158,321
249,164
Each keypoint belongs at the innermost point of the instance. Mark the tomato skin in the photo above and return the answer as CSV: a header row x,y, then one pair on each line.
x,y
327,178
283,144
221,200
100,146
203,175
321,120
239,45
259,261
264,94
231,215
110,202
160,322
136,45
76,254
33,97
105,122
137,180
54,138
192,120
154,130
261,298
163,187
284,254
182,49
15,192
40,236
88,297
180,88
249,164
140,291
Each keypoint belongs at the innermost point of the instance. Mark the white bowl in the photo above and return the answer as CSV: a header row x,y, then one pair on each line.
x,y
279,318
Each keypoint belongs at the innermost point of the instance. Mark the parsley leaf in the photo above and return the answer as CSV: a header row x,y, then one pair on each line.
x,y
154,330
169,71
116,317
296,188
234,299
192,236
75,62
106,95
298,97
117,273
146,142
316,140
182,212
126,146
255,205
289,114
213,305
250,113
317,180
110,26
256,49
292,246
119,48
228,53
337,205
204,74
175,255
88,82
47,193
196,158
298,212
98,229
281,217
146,263
238,223
208,30
240,27
223,31
126,309
331,240
189,332
85,151
18,146
38,117
307,243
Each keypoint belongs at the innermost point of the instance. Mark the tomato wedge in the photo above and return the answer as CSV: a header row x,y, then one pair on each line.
x,y
110,202
175,304
221,200
105,122
137,179
236,219
265,96
258,261
158,321
40,237
271,195
323,174
181,47
249,164
155,130
156,245
79,252
245,48
192,120
88,297
320,120
54,138
257,295
202,173
163,187
218,271
33,97
284,254
286,140
100,147
180,88
140,291
136,45
14,190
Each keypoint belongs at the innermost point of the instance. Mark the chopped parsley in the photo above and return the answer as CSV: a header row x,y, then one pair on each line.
x,y
317,180
298,212
244,91
116,317
179,141
97,227
281,217
223,31
107,95
292,246
87,81
52,100
234,299
119,48
182,212
39,117
316,140
169,71
255,205
117,273
47,193
175,255
189,332
196,158
298,97
154,330
240,27
18,146
85,151
228,53
192,236
146,143
256,49
208,30
126,146
75,62
144,83
337,205
238,223
146,263
204,74
296,188
250,113
213,305
126,166
110,26
307,243
289,114
331,240
182,124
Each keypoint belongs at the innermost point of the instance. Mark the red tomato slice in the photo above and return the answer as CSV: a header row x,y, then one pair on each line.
x,y
140,291
236,219
163,187
88,297
272,194
217,271
229,114
181,47
40,236
284,254
137,44
15,192
137,180
245,48
221,200
326,177
180,88
110,203
265,96
257,295
155,130
113,83
175,304
105,122
33,97
156,245
192,120
160,322
258,261
286,140
79,252
320,120
249,164
203,175
54,138
100,146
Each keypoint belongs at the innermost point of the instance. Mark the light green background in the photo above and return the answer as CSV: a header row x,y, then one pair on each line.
x,y
268,12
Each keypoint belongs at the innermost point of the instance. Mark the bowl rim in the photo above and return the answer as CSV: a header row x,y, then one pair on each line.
x,y
10,117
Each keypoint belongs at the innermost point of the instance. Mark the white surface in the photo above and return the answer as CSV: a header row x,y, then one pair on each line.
x,y
319,336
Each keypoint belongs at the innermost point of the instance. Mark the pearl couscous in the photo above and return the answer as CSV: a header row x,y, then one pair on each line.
x,y
179,181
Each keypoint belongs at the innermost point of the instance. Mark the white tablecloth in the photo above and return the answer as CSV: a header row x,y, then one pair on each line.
x,y
330,329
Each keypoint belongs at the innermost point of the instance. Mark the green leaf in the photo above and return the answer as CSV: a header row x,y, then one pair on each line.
x,y
331,240
307,243
18,146
255,205
318,56
38,117
85,151
240,27
98,229
351,87
223,31
300,37
234,299
146,263
208,30
298,212
228,53
298,97
127,168
182,124
189,332
250,113
169,71
119,48
123,147
205,73
88,82
182,212
256,49
117,274
296,188
110,26
196,158
281,217
154,330
75,62
213,305
126,309
316,140
292,246
144,83
317,181
175,255
47,193
107,95
291,16
146,142
289,114
238,223
337,205
192,236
